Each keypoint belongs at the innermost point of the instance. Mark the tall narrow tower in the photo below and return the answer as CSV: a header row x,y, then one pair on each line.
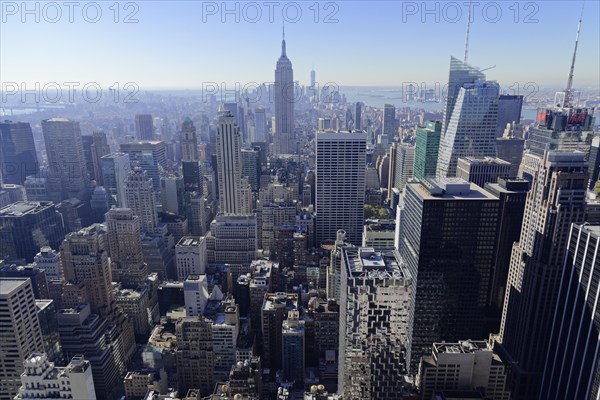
x,y
284,141
229,163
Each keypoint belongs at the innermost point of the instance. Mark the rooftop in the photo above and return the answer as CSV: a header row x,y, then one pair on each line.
x,y
449,188
21,208
8,285
365,261
190,241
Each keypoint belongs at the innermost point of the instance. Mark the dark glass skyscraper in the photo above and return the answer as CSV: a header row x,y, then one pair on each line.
x,y
17,152
447,240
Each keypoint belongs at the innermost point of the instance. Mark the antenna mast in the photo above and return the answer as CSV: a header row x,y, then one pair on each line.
x,y
569,89
468,30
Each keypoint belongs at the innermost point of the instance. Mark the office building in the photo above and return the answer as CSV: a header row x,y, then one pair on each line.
x,y
427,149
125,245
471,128
293,348
466,365
509,111
144,127
448,236
41,379
141,199
510,149
68,176
225,331
195,356
571,369
379,234
358,116
115,168
274,311
232,240
340,184
18,158
482,170
512,194
48,260
594,160
95,338
190,157
229,164
403,167
389,126
20,333
149,155
260,126
376,319
84,256
190,256
284,140
556,199
25,226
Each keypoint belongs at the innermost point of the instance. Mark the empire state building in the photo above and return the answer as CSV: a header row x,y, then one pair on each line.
x,y
284,139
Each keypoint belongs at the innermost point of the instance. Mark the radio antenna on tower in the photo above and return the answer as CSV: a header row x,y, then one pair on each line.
x,y
569,89
468,30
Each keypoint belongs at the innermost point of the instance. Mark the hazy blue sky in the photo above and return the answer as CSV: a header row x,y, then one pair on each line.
x,y
181,44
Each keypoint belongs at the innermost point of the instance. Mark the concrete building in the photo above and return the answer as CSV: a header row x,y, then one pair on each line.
x,y
140,197
274,311
232,241
379,234
20,333
284,139
293,348
48,260
376,319
389,126
340,184
195,354
195,295
571,369
149,155
125,245
135,302
556,200
465,365
68,173
43,381
229,164
482,170
225,331
144,127
190,256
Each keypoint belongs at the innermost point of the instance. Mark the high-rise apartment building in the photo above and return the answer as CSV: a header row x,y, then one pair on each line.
x,y
20,333
556,199
67,174
340,184
376,319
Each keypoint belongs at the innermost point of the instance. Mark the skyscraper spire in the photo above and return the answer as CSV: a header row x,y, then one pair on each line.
x,y
283,41
468,31
569,89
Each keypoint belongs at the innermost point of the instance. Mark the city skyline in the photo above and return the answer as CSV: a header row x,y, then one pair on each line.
x,y
158,53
